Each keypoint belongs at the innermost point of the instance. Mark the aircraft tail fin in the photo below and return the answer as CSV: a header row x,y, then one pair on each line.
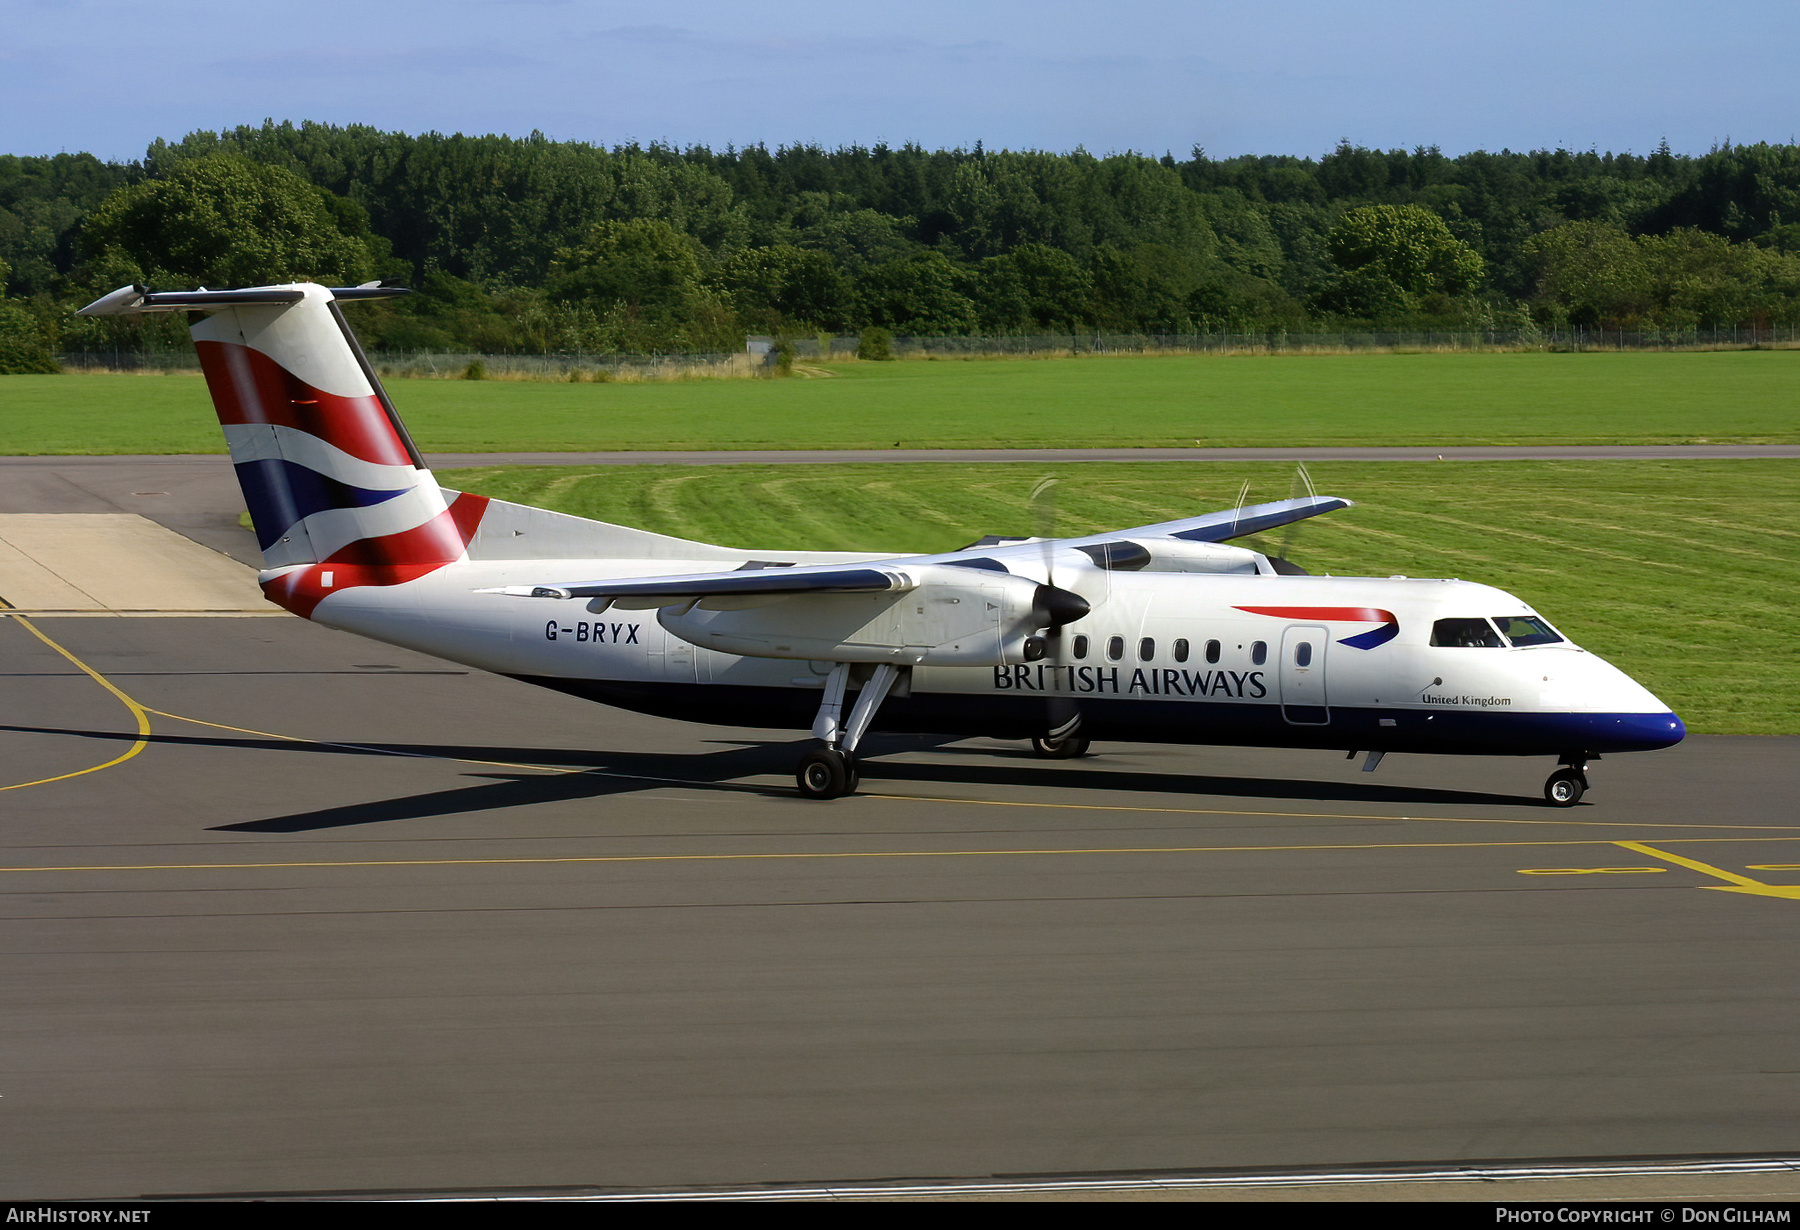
x,y
328,471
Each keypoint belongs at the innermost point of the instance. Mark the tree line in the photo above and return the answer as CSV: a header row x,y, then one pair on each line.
x,y
528,244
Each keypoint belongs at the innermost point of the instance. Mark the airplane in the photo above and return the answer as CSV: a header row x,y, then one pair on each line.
x,y
1161,633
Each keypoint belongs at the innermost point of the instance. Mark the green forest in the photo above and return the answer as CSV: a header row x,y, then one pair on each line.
x,y
533,245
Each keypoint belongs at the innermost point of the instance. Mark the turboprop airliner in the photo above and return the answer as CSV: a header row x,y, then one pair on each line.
x,y
1162,633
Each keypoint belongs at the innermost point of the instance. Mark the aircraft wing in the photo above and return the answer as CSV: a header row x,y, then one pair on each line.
x,y
1116,548
1229,523
739,583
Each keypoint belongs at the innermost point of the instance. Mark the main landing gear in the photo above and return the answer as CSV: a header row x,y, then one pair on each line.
x,y
829,771
1067,748
1062,738
1565,787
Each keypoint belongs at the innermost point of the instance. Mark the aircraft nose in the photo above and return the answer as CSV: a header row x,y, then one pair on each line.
x,y
1639,720
1650,731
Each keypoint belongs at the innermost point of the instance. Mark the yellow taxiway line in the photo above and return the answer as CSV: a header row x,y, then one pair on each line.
x,y
138,712
817,855
141,714
1324,815
1734,883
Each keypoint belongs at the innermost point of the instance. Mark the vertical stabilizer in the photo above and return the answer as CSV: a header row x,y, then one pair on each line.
x,y
336,491
327,469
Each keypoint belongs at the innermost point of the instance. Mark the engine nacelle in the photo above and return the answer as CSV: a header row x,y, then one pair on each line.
x,y
955,617
1178,555
1151,554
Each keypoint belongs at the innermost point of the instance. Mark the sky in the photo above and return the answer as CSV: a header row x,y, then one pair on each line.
x,y
108,77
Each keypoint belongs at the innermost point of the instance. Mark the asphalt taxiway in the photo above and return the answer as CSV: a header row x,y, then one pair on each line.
x,y
290,911
287,910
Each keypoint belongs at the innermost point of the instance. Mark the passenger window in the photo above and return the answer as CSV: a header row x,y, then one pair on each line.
x,y
1181,650
1081,646
1146,649
1303,654
1115,647
1259,653
1465,634
1212,651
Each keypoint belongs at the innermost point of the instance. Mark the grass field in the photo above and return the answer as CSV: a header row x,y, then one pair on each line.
x,y
1129,401
1684,573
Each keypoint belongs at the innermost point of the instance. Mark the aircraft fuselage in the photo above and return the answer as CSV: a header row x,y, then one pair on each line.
x,y
1327,662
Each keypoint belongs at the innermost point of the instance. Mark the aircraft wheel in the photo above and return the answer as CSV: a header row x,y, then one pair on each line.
x,y
825,773
1060,749
1565,787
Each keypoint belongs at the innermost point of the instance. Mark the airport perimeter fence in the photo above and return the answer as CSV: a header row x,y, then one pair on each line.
x,y
456,365
568,366
761,352
1281,341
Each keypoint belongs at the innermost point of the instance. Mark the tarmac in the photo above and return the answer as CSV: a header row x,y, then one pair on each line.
x,y
288,911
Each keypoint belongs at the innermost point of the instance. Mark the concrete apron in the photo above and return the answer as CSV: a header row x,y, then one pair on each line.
x,y
117,564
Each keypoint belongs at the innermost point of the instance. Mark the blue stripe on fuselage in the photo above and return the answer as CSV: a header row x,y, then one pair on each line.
x,y
1373,637
1456,731
1468,733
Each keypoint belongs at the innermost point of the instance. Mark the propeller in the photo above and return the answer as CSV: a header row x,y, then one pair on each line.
x,y
1053,607
1043,527
1243,499
1282,557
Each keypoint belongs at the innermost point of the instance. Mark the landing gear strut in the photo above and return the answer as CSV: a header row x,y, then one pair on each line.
x,y
829,771
1565,787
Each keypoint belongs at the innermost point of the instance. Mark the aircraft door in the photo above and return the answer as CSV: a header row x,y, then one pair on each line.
x,y
1303,699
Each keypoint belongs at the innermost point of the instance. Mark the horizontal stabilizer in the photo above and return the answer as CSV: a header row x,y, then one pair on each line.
x,y
136,300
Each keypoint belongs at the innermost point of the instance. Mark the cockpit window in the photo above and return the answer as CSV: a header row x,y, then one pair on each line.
x,y
1466,634
1525,631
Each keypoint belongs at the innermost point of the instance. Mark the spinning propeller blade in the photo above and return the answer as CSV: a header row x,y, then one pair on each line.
x,y
1057,607
1301,484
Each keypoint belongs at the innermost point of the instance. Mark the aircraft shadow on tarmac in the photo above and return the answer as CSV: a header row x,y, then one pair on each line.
x,y
598,774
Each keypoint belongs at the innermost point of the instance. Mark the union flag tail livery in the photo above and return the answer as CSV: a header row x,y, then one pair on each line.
x,y
327,469
1162,633
336,491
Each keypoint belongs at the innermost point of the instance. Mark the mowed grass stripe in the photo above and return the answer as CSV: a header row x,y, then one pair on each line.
x,y
1093,401
1583,543
1679,571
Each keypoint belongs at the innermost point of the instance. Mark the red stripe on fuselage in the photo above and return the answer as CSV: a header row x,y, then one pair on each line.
x,y
1352,614
248,386
392,559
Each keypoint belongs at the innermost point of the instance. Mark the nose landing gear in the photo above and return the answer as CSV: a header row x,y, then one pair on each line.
x,y
1565,787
